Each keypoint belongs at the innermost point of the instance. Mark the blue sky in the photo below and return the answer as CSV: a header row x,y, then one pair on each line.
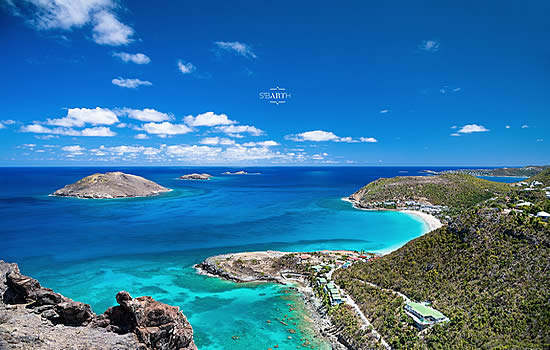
x,y
108,82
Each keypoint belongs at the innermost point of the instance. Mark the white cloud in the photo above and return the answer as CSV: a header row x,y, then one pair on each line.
x,y
470,128
8,122
145,115
213,141
2,126
186,68
429,45
208,119
124,149
40,129
507,126
368,139
454,127
74,150
236,47
455,134
269,143
166,128
321,136
141,137
443,91
137,58
130,83
384,111
108,30
70,14
193,152
80,116
315,135
239,153
98,131
236,130
524,126
457,89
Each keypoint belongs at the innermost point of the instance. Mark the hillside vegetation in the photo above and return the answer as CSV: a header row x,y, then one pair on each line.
x,y
543,177
454,190
488,272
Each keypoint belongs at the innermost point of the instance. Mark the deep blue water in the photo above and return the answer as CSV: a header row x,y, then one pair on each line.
x,y
90,249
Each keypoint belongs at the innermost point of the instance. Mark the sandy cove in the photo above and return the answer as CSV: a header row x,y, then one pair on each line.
x,y
431,221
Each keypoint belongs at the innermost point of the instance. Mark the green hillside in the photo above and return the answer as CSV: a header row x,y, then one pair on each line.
x,y
543,177
455,190
488,272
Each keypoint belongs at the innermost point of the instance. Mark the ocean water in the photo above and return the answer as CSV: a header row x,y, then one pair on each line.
x,y
89,250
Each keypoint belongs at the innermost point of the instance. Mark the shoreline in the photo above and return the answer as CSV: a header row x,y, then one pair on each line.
x,y
316,316
432,223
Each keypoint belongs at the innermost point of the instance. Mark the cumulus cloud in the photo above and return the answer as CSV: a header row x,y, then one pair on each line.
x,y
236,47
384,111
2,126
141,137
237,130
166,128
368,139
98,131
108,30
40,129
193,152
507,126
70,14
186,68
130,83
429,45
137,58
322,136
470,128
208,119
81,116
269,143
145,115
74,150
213,141
524,126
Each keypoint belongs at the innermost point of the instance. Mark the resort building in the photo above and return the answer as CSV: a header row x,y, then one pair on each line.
x,y
543,215
424,315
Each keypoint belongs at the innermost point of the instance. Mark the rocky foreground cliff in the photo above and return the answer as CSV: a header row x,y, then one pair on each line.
x,y
111,185
34,317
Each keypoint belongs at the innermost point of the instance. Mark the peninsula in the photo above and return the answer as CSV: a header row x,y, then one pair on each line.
x,y
111,185
34,317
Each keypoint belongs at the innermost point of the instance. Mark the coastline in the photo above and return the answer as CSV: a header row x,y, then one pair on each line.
x,y
432,223
316,316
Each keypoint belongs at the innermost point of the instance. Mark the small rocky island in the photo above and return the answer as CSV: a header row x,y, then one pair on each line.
x,y
240,172
34,317
196,176
111,185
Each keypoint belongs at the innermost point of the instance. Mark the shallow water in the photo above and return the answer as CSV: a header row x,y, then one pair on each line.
x,y
89,250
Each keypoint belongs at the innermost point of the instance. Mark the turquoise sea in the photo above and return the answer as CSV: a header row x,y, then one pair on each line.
x,y
89,250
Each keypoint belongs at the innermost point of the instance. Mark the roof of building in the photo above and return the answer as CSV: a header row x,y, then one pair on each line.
x,y
425,310
543,214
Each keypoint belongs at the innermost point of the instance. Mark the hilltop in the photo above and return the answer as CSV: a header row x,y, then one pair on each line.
x,y
111,185
454,190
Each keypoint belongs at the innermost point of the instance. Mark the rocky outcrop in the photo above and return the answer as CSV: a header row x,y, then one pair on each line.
x,y
32,316
241,172
157,325
196,176
111,185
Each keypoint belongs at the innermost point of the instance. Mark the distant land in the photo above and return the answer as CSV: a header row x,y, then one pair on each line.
x,y
527,171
